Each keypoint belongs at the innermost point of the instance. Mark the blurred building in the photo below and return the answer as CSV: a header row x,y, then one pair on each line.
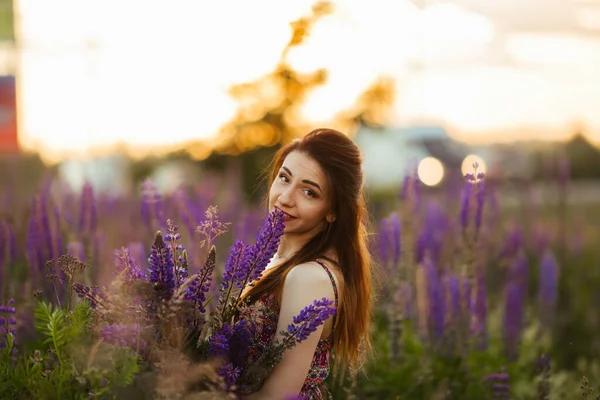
x,y
8,116
108,175
392,152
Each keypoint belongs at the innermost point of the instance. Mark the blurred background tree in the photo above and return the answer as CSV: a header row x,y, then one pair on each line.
x,y
268,113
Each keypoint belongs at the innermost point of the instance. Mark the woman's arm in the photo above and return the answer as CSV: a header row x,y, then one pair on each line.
x,y
304,284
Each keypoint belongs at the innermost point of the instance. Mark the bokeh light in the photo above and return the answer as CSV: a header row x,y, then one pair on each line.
x,y
430,171
469,161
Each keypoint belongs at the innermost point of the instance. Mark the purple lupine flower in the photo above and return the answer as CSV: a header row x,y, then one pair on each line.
x,y
87,210
513,242
498,384
7,322
8,247
481,195
34,250
200,285
76,250
230,375
436,225
90,293
240,341
172,237
435,294
124,335
396,239
219,342
518,272
465,204
126,266
162,267
310,318
40,208
57,236
479,325
406,186
136,249
405,293
548,287
267,243
454,308
513,318
235,266
416,190
187,210
152,204
384,242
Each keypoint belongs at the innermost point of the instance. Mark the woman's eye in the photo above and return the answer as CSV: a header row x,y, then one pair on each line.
x,y
283,177
310,193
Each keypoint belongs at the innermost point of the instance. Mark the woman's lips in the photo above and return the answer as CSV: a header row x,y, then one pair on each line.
x,y
286,216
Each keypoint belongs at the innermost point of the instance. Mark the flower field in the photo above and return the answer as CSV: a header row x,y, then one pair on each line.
x,y
476,298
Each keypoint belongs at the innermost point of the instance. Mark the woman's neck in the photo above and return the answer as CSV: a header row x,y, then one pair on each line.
x,y
289,246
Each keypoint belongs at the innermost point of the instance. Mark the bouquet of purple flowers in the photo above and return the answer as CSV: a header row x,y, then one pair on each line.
x,y
176,319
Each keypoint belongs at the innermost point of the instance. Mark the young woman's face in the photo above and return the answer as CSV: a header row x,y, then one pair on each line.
x,y
301,191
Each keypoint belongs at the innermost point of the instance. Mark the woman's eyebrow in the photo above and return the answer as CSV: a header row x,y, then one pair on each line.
x,y
304,180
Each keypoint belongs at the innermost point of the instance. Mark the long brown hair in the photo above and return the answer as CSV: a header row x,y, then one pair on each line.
x,y
341,161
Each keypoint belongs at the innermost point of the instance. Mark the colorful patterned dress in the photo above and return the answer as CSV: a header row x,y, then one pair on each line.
x,y
313,388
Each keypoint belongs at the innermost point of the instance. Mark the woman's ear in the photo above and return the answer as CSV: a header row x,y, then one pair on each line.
x,y
330,217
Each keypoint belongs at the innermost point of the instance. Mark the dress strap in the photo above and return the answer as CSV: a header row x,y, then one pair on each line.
x,y
335,291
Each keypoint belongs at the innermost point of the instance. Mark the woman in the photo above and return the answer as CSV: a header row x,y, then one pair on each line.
x,y
318,183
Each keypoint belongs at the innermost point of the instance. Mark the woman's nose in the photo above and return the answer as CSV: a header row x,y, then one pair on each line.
x,y
286,198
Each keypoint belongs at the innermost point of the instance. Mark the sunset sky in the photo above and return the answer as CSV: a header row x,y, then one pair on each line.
x,y
153,73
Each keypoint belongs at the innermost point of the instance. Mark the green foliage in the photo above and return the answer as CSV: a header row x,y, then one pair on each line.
x,y
69,364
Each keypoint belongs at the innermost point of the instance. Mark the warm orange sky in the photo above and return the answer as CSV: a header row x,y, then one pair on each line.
x,y
156,73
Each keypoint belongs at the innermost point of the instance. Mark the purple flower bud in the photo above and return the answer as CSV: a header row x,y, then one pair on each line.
x,y
384,242
396,240
512,243
230,375
219,341
421,247
435,293
7,323
126,266
162,268
35,249
200,285
513,318
548,287
90,293
498,384
267,244
310,318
